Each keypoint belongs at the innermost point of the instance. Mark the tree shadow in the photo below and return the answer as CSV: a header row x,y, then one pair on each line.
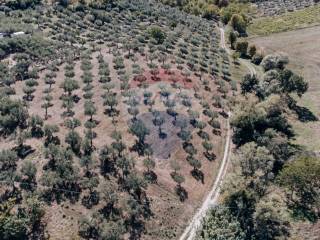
x,y
207,88
162,135
304,114
28,98
71,192
185,145
37,132
216,132
107,167
90,200
23,151
150,177
38,231
302,212
182,193
68,114
10,193
76,98
198,175
28,185
147,212
136,230
110,211
226,78
210,156
140,148
203,135
112,112
224,114
55,140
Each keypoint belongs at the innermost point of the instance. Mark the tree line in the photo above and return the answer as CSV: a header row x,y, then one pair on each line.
x,y
274,181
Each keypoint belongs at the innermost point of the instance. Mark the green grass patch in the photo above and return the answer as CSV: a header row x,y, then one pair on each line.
x,y
289,21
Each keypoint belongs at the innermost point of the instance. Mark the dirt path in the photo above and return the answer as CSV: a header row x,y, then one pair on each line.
x,y
249,65
212,197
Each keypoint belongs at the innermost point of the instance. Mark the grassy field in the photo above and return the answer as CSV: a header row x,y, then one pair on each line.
x,y
286,22
303,49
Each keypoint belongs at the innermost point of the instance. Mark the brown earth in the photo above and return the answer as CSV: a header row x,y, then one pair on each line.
x,y
170,215
172,76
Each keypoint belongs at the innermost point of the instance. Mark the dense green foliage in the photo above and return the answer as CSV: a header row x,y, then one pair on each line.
x,y
13,115
268,189
18,224
21,4
301,180
213,9
220,224
276,79
203,8
157,34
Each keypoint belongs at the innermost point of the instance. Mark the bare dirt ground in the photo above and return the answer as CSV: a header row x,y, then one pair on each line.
x,y
169,214
303,48
174,76
163,146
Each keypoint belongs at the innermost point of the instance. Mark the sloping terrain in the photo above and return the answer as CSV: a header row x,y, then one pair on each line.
x,y
126,116
278,7
303,48
288,21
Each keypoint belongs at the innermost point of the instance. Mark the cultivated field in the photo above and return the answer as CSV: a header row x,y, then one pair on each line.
x,y
303,49
277,7
285,22
119,75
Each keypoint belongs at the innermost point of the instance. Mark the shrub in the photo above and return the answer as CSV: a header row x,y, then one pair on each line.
x,y
257,58
242,48
157,34
238,24
252,50
210,12
270,62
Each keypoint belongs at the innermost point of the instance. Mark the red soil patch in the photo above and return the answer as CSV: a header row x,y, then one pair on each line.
x,y
161,75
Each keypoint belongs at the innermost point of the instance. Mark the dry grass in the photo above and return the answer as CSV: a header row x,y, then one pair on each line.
x,y
170,215
303,49
289,21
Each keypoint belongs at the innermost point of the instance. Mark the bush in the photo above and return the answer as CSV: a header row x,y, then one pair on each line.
x,y
220,224
157,34
22,4
249,84
300,179
238,24
252,50
257,58
211,12
233,8
270,62
242,48
233,38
